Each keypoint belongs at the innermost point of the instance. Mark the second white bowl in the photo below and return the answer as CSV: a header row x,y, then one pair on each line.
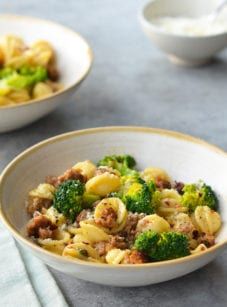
x,y
74,59
186,50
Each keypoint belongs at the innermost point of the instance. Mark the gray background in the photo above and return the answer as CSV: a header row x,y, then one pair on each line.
x,y
131,83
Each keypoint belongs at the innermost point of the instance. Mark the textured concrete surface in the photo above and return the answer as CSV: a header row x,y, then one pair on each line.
x,y
131,83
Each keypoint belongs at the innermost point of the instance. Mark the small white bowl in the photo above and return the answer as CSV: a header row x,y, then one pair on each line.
x,y
183,157
185,50
74,59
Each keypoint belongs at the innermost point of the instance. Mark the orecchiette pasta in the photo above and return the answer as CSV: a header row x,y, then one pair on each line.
x,y
153,222
153,173
103,184
170,203
55,217
115,256
87,168
56,244
115,208
20,95
199,249
44,190
91,232
42,53
26,72
108,213
81,251
12,47
206,220
41,89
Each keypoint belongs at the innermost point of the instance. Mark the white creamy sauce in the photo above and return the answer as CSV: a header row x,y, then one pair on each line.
x,y
191,26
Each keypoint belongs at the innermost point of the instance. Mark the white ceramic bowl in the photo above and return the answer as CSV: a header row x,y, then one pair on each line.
x,y
184,157
74,59
186,50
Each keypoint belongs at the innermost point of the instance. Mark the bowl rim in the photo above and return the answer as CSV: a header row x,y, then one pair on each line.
x,y
90,55
169,133
142,18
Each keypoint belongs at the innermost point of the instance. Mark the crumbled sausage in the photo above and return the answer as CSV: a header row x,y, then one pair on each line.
x,y
208,240
53,73
129,230
135,257
162,184
108,218
179,187
84,215
118,242
37,204
40,227
70,174
103,247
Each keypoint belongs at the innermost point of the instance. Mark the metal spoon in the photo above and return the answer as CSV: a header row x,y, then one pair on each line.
x,y
218,9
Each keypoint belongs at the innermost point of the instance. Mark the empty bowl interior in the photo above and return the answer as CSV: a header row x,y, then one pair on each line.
x,y
183,159
72,51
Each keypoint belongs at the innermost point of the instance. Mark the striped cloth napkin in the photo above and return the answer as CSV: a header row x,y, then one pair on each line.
x,y
24,280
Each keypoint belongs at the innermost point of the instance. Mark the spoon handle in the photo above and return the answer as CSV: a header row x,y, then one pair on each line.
x,y
218,9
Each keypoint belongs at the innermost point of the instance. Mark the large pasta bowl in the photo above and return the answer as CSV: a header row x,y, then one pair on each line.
x,y
74,60
183,157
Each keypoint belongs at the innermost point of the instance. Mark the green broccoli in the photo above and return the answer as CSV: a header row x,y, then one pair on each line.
x,y
68,198
162,246
137,195
6,72
22,78
199,195
124,164
27,77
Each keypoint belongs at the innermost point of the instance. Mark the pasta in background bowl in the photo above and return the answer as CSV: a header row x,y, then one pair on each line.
x,y
27,72
79,251
33,57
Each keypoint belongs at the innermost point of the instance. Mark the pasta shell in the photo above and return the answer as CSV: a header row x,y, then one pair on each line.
x,y
81,251
41,89
199,249
206,220
118,206
11,47
103,184
153,222
21,95
87,168
42,53
170,203
55,217
93,233
62,237
44,190
153,173
115,256
79,238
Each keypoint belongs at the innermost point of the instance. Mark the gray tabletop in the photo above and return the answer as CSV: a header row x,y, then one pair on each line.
x,y
131,83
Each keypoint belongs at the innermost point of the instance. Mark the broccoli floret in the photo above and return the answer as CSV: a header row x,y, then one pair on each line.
x,y
26,77
162,246
198,195
6,72
124,164
22,78
137,195
68,198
